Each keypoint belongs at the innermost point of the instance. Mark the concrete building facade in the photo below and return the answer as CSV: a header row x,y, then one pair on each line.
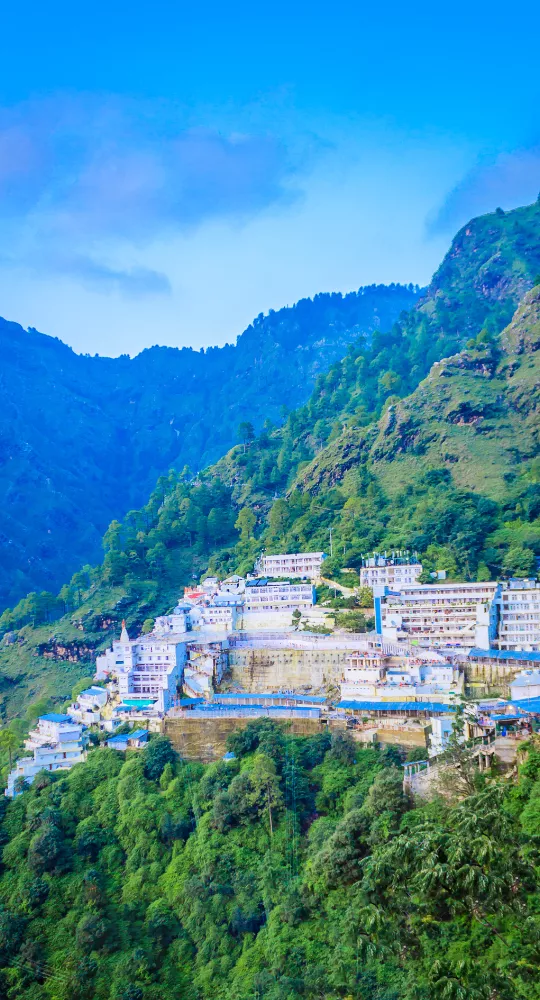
x,y
519,615
268,595
294,564
388,571
151,666
439,614
56,744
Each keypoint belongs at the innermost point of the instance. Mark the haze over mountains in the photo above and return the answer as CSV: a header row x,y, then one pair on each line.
x,y
83,439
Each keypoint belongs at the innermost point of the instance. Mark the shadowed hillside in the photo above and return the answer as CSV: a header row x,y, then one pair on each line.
x,y
83,440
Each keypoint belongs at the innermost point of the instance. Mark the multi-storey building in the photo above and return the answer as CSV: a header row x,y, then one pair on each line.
x,y
440,614
57,744
150,667
389,571
519,615
221,615
372,675
295,564
268,595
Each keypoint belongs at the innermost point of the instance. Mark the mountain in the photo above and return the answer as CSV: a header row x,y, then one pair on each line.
x,y
83,439
449,468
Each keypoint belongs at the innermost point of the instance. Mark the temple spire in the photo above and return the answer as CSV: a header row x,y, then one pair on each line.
x,y
124,637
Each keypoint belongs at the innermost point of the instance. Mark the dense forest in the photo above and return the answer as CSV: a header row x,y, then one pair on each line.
x,y
296,871
83,439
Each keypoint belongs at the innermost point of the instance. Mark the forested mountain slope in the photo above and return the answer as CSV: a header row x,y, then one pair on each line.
x,y
476,414
297,871
83,439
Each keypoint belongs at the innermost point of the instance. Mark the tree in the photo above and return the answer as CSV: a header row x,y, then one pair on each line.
x,y
47,850
158,753
37,708
365,597
112,539
9,741
245,523
353,621
278,519
520,561
156,559
246,433
67,595
79,583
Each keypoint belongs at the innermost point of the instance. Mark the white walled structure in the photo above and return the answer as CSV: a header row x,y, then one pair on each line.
x,y
299,564
383,571
519,609
525,685
440,614
87,708
151,666
57,744
374,676
264,595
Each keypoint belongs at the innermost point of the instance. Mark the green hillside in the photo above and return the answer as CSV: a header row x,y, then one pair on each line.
x,y
83,439
298,871
448,468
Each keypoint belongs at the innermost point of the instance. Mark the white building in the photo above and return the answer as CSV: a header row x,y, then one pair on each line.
x,y
441,731
519,611
222,611
176,623
136,740
439,614
264,595
87,708
388,571
374,676
525,685
56,744
294,564
151,666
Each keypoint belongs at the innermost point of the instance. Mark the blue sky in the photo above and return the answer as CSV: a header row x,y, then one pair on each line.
x,y
168,171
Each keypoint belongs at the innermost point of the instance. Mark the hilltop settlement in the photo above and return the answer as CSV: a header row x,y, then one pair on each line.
x,y
242,648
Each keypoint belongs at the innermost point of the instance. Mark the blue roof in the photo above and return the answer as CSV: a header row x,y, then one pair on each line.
x,y
186,702
137,734
396,706
55,717
507,654
118,739
528,704
215,709
315,699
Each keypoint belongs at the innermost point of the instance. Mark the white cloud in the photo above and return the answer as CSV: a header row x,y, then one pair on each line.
x,y
506,181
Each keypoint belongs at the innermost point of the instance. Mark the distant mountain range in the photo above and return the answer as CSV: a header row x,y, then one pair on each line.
x,y
83,439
